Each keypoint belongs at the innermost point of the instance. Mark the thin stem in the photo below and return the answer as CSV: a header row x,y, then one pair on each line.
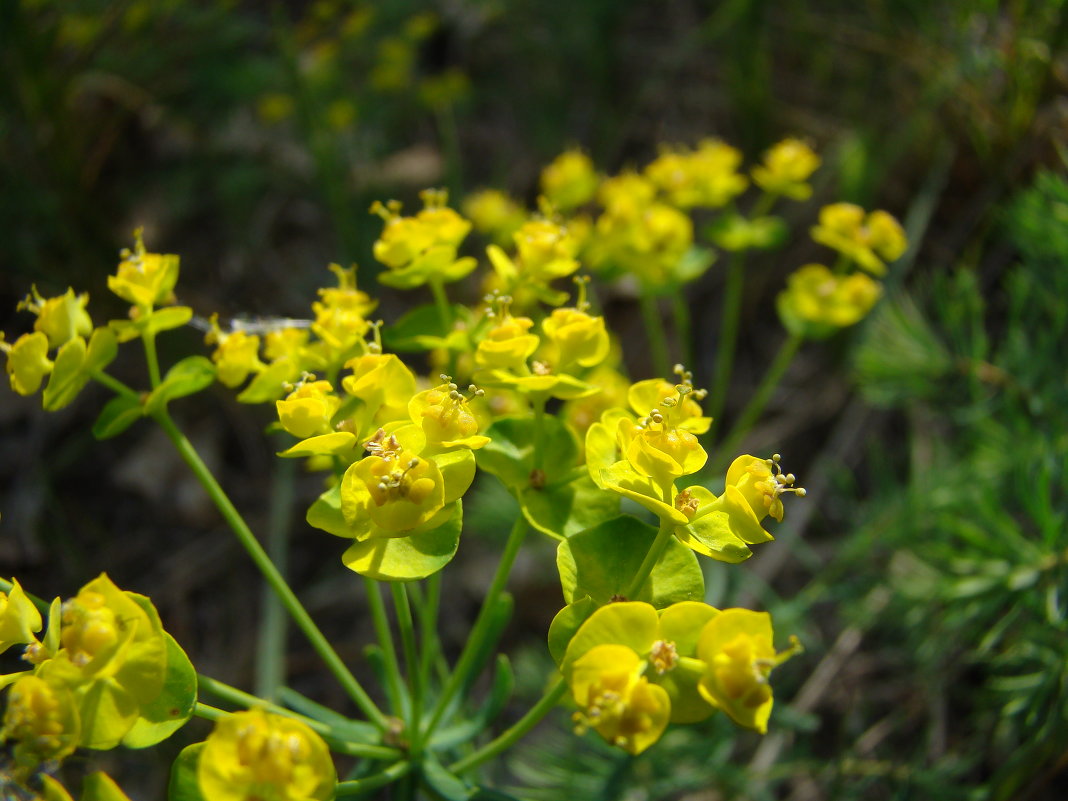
x,y
760,398
361,786
728,335
680,312
537,400
289,600
271,647
209,712
654,329
149,340
115,385
441,300
479,631
411,661
428,623
337,742
514,732
651,557
385,640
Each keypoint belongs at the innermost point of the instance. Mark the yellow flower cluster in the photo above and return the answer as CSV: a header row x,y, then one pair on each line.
x,y
632,669
818,301
641,457
96,677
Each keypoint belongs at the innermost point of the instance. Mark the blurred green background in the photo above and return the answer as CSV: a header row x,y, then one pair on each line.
x,y
926,572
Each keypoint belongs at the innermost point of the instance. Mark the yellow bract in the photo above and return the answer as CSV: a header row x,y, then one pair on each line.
x,y
816,299
19,618
27,362
495,214
577,337
706,177
422,248
258,756
340,314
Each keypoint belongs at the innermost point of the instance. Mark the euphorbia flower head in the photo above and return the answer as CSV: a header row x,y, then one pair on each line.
x,y
256,755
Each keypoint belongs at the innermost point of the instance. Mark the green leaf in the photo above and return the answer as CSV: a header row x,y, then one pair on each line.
x,y
103,348
187,377
183,785
68,376
735,232
568,508
165,319
566,623
407,558
422,329
601,562
101,787
118,414
443,783
691,266
325,513
269,384
108,712
509,454
174,706
500,693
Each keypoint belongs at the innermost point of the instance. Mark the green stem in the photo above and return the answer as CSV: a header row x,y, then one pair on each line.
x,y
728,335
271,646
248,701
759,400
209,712
362,786
259,556
537,400
514,732
406,627
441,300
651,557
680,312
428,623
149,340
479,631
385,639
115,385
654,329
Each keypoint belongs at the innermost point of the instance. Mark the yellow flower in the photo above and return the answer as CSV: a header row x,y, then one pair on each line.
x,y
307,410
446,416
27,362
786,169
494,214
258,756
341,314
870,240
736,645
422,248
816,302
236,353
19,618
616,701
42,717
569,181
761,483
61,318
144,279
706,177
577,337
113,656
507,345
